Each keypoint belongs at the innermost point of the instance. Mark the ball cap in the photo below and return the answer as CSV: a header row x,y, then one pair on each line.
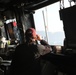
x,y
31,32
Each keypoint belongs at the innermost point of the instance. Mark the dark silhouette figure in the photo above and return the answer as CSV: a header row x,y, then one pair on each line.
x,y
26,59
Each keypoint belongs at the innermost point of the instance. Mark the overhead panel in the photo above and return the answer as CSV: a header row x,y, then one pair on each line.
x,y
29,4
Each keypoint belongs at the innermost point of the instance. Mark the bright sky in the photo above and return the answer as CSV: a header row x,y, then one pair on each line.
x,y
52,17
49,16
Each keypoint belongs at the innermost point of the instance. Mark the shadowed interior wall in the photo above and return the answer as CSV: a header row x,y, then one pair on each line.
x,y
68,16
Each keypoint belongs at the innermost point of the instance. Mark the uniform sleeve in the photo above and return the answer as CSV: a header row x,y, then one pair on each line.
x,y
43,42
44,49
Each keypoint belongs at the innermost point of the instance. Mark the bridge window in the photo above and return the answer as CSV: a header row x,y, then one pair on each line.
x,y
49,25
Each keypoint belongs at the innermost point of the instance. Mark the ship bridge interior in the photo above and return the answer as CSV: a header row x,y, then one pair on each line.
x,y
15,9
17,12
17,15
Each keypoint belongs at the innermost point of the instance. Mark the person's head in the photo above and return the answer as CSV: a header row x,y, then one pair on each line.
x,y
30,34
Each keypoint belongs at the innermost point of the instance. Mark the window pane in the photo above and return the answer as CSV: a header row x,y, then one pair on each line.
x,y
49,25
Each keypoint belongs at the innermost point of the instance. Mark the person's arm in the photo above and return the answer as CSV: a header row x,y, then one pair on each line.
x,y
43,42
44,47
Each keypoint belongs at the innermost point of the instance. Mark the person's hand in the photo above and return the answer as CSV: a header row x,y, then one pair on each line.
x,y
38,37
